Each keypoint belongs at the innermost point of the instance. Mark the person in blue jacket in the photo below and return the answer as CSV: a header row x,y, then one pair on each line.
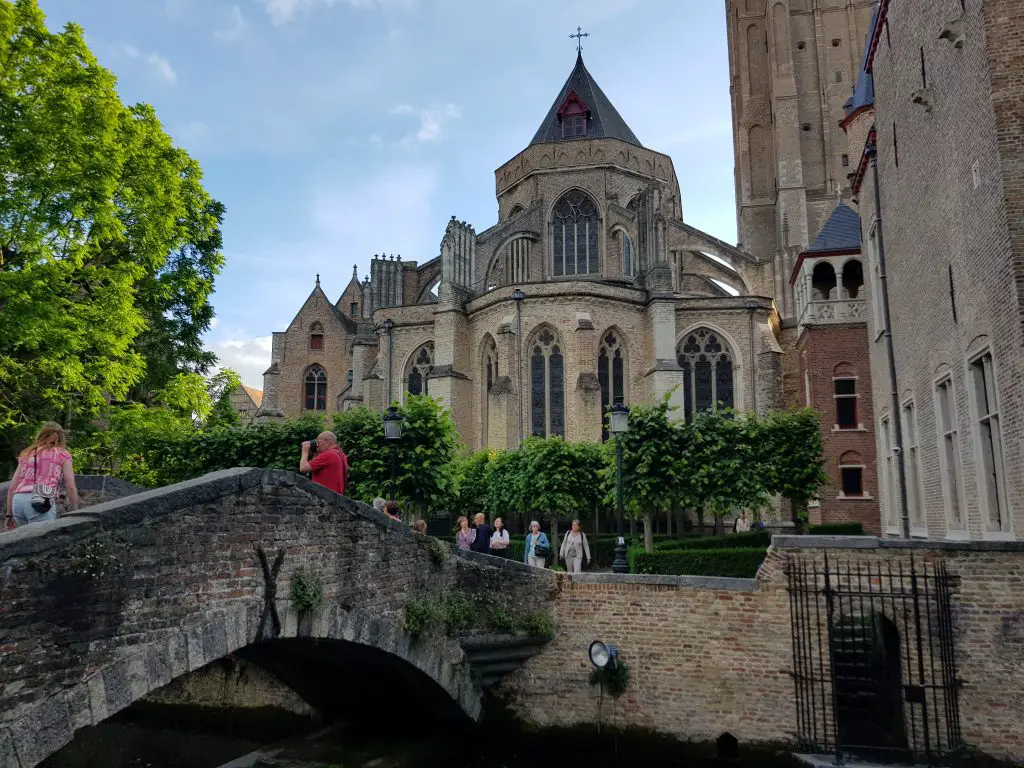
x,y
536,540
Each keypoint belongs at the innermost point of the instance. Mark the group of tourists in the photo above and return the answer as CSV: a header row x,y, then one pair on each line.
x,y
481,537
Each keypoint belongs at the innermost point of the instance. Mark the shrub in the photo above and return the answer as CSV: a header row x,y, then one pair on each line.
x,y
732,541
500,620
458,613
733,562
613,679
837,529
421,615
307,591
538,626
438,551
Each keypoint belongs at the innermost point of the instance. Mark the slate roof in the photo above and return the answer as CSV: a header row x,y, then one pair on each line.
x,y
864,88
605,121
840,233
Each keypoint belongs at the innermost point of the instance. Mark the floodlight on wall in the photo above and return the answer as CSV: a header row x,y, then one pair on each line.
x,y
602,654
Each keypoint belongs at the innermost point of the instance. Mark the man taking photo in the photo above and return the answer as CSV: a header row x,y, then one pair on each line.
x,y
329,467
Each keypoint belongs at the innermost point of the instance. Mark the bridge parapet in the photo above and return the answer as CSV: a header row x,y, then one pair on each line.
x,y
102,606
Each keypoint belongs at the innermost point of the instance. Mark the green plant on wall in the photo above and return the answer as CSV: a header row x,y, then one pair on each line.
x,y
307,591
613,679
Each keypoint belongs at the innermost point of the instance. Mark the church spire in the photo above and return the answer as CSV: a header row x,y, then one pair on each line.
x,y
583,105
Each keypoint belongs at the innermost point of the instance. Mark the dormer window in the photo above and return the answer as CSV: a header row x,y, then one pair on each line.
x,y
573,115
316,336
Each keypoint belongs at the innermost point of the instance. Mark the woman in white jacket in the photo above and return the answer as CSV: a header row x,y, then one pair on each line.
x,y
575,548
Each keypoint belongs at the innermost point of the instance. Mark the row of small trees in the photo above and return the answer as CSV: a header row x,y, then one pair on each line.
x,y
716,464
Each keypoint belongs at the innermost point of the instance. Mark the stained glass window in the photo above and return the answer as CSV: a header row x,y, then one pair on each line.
x,y
316,389
611,376
707,372
422,363
547,387
576,230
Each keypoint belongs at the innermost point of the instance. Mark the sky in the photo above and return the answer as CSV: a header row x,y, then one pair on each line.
x,y
336,129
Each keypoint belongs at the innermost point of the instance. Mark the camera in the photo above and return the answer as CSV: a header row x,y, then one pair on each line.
x,y
312,446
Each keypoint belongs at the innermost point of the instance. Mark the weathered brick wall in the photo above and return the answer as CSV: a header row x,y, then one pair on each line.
x,y
714,655
75,650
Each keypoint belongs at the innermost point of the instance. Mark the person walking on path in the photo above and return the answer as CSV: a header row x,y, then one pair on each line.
x,y
482,543
464,536
32,494
537,546
575,548
499,539
330,465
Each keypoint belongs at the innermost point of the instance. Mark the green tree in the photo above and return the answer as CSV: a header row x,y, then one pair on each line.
x,y
559,480
506,489
792,458
425,455
106,234
473,473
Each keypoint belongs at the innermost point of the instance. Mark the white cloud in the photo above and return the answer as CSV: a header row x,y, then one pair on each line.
x,y
160,66
234,28
283,11
433,121
249,357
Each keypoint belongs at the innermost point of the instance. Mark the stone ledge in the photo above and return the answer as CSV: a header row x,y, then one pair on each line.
x,y
505,564
101,483
658,580
780,542
40,537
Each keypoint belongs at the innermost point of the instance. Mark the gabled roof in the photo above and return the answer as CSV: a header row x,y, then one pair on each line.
x,y
605,122
841,232
256,395
864,89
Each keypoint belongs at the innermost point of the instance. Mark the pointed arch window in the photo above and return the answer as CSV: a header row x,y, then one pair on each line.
x,y
490,364
420,366
316,336
627,256
575,230
611,373
547,386
315,389
707,367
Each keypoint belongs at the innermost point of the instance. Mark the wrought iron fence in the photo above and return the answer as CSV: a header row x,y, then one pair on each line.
x,y
873,659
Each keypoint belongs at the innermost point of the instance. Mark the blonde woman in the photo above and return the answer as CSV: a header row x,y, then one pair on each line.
x,y
35,484
575,548
465,536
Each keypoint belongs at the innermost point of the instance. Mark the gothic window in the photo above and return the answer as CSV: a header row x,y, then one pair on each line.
x,y
316,336
575,227
315,389
708,372
611,375
547,386
627,255
420,366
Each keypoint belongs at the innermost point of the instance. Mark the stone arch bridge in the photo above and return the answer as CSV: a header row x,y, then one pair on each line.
x,y
103,606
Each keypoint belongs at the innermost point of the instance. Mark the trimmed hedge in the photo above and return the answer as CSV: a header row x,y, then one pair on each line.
x,y
736,563
602,548
729,541
837,529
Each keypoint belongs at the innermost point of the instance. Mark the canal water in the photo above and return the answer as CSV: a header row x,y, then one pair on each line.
x,y
162,736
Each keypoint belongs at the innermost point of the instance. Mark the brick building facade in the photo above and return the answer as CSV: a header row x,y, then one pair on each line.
x,y
941,202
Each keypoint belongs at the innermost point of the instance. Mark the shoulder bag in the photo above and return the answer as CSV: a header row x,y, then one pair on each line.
x,y
42,494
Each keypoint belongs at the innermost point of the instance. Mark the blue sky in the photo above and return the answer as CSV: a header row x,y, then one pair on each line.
x,y
336,129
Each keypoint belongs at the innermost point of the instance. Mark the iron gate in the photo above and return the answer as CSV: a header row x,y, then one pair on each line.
x,y
873,659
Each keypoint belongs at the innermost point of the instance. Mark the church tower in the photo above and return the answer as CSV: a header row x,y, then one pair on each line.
x,y
792,64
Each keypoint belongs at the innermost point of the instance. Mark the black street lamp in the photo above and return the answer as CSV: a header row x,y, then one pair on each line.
x,y
393,433
389,324
619,418
517,297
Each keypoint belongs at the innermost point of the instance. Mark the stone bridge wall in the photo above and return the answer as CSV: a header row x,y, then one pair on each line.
x,y
711,655
75,648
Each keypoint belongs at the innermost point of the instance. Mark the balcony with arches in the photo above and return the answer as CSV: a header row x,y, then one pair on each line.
x,y
828,280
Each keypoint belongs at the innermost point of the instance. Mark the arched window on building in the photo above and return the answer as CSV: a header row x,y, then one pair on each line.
x,y
853,278
628,266
420,365
575,235
316,336
547,386
315,389
823,281
611,373
490,366
708,369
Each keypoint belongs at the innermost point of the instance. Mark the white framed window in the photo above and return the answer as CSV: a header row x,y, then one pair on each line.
x,y
948,436
845,396
851,476
891,513
912,454
988,444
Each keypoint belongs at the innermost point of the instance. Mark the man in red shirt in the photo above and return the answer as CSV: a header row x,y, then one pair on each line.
x,y
329,466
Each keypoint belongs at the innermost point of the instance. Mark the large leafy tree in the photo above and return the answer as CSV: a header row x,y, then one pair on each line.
x,y
109,243
792,458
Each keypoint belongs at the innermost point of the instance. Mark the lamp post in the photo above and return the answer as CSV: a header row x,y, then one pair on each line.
x,y
389,324
517,297
393,433
619,425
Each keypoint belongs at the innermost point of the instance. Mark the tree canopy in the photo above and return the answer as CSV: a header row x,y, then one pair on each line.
x,y
109,244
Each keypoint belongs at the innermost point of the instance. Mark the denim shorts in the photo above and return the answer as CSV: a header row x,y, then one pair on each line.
x,y
24,514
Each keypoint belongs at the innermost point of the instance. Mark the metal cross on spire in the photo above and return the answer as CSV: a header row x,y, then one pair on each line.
x,y
580,34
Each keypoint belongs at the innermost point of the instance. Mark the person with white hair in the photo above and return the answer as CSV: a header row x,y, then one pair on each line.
x,y
537,546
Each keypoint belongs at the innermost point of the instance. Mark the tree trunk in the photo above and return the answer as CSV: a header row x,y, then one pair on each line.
x,y
668,522
648,535
554,539
597,523
632,526
719,526
700,520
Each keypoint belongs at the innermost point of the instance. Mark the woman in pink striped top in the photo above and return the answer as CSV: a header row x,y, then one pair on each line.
x,y
41,468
